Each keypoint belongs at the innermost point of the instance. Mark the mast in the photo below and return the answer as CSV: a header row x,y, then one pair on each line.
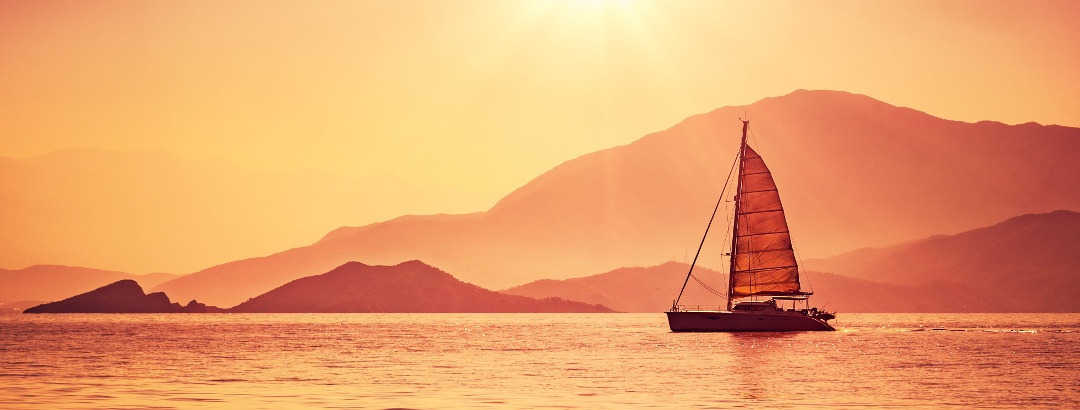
x,y
735,226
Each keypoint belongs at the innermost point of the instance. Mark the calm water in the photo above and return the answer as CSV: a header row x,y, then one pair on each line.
x,y
532,360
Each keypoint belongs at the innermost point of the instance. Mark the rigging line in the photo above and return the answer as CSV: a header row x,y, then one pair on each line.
x,y
752,136
799,261
706,235
728,233
707,287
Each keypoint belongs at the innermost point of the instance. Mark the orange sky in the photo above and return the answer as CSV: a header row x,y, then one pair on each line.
x,y
481,96
466,100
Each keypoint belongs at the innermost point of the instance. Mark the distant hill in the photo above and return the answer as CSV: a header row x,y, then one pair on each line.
x,y
638,289
1029,263
846,294
852,172
125,296
54,282
651,290
409,287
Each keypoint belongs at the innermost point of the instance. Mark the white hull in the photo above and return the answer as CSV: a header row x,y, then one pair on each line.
x,y
744,321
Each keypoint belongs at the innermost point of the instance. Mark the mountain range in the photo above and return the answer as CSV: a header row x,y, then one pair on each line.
x,y
1024,264
1029,263
634,289
408,287
853,172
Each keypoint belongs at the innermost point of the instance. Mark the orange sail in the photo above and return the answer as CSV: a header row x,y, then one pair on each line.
x,y
763,262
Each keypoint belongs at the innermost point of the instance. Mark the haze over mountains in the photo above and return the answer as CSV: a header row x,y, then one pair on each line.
x,y
157,212
853,172
634,289
408,287
1030,263
53,282
944,273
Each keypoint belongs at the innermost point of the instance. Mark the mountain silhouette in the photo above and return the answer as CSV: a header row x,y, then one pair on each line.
x,y
1030,263
852,172
408,287
652,289
125,296
635,289
846,294
54,282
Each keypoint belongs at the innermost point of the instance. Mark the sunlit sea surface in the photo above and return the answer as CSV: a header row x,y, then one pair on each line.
x,y
532,361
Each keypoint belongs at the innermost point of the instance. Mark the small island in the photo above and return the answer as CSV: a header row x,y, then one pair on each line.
x,y
125,296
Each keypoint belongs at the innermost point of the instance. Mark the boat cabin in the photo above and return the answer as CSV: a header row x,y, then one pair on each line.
x,y
768,306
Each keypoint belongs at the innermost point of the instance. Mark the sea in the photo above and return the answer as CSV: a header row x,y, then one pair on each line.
x,y
536,361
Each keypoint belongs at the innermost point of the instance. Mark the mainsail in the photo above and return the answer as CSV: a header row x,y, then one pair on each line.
x,y
762,262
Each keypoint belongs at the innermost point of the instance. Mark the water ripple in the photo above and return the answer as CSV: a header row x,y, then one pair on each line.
x,y
531,360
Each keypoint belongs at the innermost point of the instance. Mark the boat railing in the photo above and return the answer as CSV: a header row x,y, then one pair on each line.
x,y
698,308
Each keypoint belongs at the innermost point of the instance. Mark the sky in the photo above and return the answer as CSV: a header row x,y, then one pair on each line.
x,y
459,101
481,96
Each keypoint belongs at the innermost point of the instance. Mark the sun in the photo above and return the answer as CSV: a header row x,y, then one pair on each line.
x,y
589,8
594,5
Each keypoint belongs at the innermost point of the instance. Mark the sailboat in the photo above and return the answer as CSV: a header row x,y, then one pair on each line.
x,y
763,291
